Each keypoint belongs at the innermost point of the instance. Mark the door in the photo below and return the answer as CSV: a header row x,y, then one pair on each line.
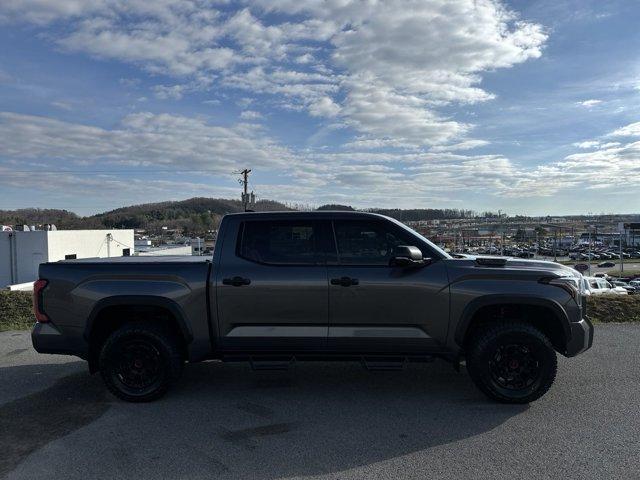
x,y
377,308
272,287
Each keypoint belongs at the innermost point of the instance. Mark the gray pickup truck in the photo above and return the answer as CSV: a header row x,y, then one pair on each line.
x,y
313,286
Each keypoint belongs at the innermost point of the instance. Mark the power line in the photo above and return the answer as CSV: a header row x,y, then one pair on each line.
x,y
119,243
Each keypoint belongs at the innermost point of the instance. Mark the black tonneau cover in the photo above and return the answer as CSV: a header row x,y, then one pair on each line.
x,y
142,259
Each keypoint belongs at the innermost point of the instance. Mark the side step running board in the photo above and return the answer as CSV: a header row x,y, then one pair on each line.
x,y
384,363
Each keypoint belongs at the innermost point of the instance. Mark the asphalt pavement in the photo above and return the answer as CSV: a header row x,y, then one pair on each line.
x,y
321,420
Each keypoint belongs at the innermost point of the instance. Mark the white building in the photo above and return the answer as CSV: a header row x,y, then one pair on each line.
x,y
630,233
22,252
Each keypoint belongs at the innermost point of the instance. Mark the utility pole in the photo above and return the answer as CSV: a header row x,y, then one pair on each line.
x,y
246,199
621,256
109,238
589,250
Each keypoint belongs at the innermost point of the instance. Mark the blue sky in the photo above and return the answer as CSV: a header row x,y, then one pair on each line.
x,y
530,107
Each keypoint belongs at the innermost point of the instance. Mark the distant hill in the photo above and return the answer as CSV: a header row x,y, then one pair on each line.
x,y
62,219
417,214
194,215
336,206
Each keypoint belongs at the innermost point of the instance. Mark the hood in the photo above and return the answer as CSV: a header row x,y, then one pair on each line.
x,y
515,264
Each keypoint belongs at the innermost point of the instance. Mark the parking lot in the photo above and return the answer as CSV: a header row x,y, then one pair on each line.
x,y
321,420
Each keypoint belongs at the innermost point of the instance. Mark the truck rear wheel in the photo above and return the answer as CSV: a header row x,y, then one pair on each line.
x,y
139,361
512,362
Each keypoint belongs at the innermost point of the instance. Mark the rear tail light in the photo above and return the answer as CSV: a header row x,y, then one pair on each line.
x,y
38,287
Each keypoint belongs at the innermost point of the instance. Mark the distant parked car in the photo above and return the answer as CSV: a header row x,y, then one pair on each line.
x,y
581,267
599,286
631,290
606,265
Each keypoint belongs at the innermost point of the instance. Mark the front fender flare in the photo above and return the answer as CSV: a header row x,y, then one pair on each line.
x,y
500,299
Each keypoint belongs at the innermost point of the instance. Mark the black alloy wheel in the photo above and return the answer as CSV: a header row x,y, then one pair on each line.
x,y
139,361
511,362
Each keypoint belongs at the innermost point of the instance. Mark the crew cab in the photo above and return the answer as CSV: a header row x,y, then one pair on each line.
x,y
293,286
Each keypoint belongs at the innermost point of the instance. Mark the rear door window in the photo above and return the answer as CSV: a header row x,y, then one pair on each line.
x,y
280,242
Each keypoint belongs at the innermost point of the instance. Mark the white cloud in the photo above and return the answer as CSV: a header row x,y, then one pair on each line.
x,y
403,120
141,139
169,145
381,68
631,130
305,58
324,107
379,71
62,105
250,115
45,11
419,56
466,145
587,144
611,166
589,103
174,92
607,165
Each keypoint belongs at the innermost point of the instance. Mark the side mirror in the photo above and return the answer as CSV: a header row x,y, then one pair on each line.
x,y
407,256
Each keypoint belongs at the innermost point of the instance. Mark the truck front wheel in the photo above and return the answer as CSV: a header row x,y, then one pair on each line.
x,y
139,361
511,362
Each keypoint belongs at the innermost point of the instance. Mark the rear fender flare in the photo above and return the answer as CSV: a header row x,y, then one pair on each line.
x,y
140,301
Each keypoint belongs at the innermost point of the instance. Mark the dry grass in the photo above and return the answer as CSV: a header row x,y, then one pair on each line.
x,y
614,308
16,311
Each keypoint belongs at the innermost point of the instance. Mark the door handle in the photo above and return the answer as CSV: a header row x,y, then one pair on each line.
x,y
236,281
345,281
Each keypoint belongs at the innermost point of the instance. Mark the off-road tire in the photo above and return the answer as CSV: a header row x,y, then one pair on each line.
x,y
156,348
489,344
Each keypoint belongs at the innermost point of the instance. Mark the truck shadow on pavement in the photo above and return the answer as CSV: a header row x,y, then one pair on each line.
x,y
327,418
31,422
227,421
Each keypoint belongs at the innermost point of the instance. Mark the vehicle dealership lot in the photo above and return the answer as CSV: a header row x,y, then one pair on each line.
x,y
321,420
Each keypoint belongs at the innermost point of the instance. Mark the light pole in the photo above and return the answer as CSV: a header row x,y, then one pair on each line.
x,y
621,256
589,249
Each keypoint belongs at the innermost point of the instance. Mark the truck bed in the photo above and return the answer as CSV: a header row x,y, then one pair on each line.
x,y
78,289
145,259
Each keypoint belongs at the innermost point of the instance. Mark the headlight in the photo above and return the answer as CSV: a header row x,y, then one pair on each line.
x,y
573,285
